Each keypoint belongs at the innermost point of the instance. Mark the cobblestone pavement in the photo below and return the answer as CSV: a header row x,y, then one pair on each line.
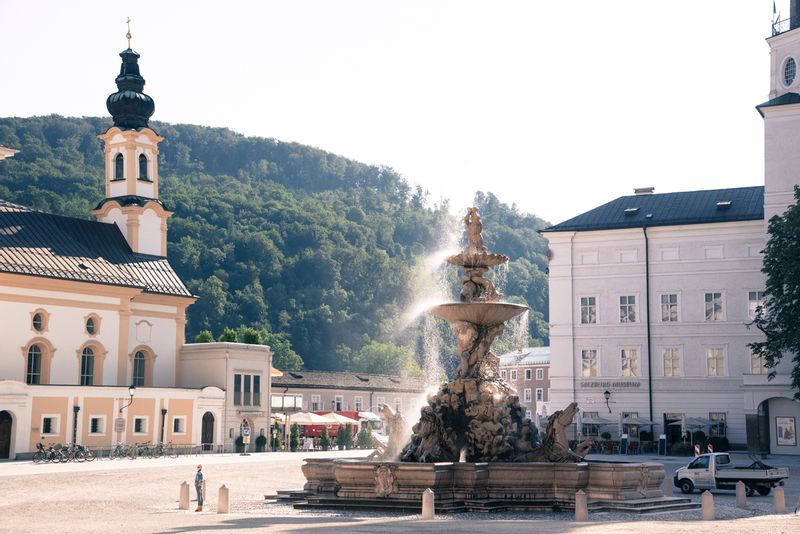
x,y
142,496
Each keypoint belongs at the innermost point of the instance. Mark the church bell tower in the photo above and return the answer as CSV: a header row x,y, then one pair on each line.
x,y
131,164
781,115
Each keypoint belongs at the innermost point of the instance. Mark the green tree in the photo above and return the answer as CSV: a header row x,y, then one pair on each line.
x,y
385,359
283,357
341,438
228,335
364,438
778,319
247,335
294,437
204,337
325,438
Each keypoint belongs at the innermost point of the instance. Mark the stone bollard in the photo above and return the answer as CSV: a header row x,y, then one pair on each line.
x,y
707,503
223,503
779,500
741,495
581,508
667,487
428,506
183,502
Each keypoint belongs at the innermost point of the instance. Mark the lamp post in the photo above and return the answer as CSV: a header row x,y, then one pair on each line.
x,y
75,410
163,420
131,392
607,395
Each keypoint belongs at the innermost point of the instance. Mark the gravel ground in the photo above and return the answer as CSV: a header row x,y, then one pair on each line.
x,y
142,496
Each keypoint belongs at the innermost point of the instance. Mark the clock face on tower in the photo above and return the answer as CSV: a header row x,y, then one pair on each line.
x,y
789,71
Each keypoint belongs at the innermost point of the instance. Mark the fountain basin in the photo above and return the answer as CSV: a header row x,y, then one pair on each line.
x,y
480,313
471,260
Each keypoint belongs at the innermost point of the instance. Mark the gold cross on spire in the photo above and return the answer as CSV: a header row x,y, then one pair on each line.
x,y
128,35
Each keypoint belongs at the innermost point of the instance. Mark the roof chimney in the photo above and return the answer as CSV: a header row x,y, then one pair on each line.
x,y
647,190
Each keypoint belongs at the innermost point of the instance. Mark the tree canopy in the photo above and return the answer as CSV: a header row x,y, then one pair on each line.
x,y
312,250
778,318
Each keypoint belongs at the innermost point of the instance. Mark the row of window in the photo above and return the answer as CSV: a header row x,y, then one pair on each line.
x,y
40,322
526,395
710,252
713,307
338,404
51,425
246,389
718,428
528,374
39,359
119,168
671,356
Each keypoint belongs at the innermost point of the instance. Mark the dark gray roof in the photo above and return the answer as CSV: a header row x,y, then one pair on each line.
x,y
669,209
783,100
41,244
347,380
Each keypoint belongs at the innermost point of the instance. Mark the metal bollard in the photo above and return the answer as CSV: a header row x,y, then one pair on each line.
x,y
428,505
183,502
741,495
779,500
223,503
707,503
581,507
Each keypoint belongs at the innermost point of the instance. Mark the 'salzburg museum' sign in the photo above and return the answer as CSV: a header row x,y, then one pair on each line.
x,y
610,384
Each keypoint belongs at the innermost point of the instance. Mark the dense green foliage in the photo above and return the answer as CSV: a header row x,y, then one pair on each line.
x,y
312,251
778,318
294,437
364,438
325,438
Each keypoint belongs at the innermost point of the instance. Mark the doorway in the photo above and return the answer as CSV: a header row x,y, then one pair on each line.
x,y
672,426
6,422
207,434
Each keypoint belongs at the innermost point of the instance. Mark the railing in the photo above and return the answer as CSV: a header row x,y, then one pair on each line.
x,y
784,25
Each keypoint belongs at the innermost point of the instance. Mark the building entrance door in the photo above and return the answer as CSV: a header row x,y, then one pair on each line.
x,y
207,434
672,425
5,434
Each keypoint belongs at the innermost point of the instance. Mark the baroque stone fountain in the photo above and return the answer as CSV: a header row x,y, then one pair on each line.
x,y
472,444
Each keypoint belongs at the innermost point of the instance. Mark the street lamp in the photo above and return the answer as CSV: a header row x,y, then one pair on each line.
x,y
607,395
131,392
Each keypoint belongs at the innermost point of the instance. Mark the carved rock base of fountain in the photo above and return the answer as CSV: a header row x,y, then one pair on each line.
x,y
477,418
468,486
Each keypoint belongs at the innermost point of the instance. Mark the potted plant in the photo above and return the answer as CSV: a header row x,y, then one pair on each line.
x,y
364,438
325,439
239,444
294,437
261,443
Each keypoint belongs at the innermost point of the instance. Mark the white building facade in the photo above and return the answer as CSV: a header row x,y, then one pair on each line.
x,y
651,296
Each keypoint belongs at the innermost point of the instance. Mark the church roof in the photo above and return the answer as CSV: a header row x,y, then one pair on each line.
x,y
347,380
42,244
785,99
670,209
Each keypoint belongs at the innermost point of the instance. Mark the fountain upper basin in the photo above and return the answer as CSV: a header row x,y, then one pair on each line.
x,y
480,313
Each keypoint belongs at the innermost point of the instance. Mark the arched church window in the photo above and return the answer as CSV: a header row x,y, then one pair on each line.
x,y
143,167
34,367
139,362
87,367
119,167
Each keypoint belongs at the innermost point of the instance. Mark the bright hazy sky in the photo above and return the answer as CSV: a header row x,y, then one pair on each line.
x,y
557,106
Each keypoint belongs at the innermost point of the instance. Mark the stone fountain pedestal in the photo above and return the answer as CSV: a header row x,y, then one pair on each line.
x,y
486,486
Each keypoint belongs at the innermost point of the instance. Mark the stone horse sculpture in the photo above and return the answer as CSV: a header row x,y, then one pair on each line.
x,y
555,446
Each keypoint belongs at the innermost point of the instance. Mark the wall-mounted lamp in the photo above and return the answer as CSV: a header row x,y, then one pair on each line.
x,y
131,392
607,395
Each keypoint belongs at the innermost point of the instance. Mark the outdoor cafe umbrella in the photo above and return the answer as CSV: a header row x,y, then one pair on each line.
x,y
338,419
637,421
595,420
309,418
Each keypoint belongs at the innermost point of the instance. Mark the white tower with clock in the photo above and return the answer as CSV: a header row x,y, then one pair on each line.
x,y
782,116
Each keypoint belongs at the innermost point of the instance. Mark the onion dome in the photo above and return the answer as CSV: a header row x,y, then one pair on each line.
x,y
129,106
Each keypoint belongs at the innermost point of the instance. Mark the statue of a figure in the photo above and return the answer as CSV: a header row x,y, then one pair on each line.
x,y
399,432
474,228
555,446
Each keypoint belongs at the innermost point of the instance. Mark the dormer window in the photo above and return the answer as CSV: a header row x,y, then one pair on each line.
x,y
119,167
143,168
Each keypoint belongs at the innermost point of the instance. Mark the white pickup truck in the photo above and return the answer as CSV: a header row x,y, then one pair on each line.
x,y
715,471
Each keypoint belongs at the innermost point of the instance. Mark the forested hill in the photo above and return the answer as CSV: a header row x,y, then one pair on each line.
x,y
276,236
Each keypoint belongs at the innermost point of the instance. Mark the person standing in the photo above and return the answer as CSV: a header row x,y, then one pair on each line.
x,y
198,485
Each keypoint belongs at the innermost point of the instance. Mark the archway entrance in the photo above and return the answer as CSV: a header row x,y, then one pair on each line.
x,y
207,434
6,423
